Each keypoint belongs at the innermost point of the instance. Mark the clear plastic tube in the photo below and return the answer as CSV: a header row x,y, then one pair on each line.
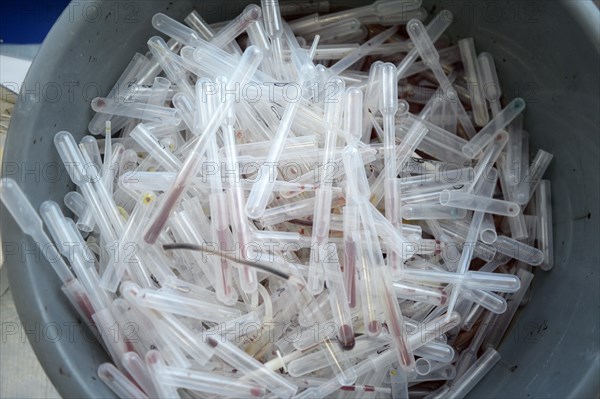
x,y
149,112
135,366
463,200
472,76
487,233
488,157
420,293
362,51
521,191
409,143
537,168
436,351
473,375
488,132
518,250
156,365
274,29
471,279
498,328
429,211
118,382
513,152
489,79
544,229
144,137
209,383
249,16
78,205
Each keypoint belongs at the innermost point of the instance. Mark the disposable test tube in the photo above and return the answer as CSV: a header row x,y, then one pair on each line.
x,y
489,80
519,250
537,168
499,327
513,152
118,382
544,229
463,200
474,280
461,386
149,112
472,76
250,15
499,122
135,366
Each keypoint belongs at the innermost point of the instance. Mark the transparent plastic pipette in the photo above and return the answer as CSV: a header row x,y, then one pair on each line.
x,y
361,51
474,85
102,204
544,227
435,29
358,188
388,106
323,195
27,218
236,198
409,143
118,382
248,64
486,189
463,200
488,132
430,56
273,27
259,196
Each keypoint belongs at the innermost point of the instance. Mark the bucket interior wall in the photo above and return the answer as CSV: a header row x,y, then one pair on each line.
x,y
545,51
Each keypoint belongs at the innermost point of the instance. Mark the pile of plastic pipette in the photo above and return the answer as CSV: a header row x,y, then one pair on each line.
x,y
340,204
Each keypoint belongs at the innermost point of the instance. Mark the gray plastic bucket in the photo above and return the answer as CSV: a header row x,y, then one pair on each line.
x,y
546,52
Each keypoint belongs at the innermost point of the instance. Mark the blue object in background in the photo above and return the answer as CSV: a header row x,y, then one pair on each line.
x,y
28,21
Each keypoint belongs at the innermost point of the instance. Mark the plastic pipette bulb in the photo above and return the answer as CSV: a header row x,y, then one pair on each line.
x,y
435,28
